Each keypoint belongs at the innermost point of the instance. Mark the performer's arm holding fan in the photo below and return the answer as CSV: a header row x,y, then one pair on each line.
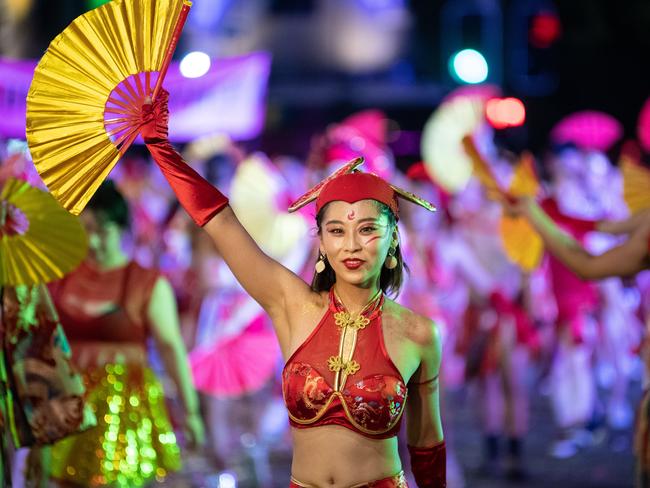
x,y
267,281
624,260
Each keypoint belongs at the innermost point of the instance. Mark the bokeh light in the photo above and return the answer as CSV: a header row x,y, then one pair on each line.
x,y
469,66
195,64
505,112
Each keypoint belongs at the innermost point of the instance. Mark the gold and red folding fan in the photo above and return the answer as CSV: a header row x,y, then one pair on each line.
x,y
83,106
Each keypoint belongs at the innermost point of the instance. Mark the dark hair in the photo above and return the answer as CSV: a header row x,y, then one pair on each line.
x,y
110,205
390,280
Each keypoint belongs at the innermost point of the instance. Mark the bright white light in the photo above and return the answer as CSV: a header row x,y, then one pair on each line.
x,y
469,66
227,480
195,64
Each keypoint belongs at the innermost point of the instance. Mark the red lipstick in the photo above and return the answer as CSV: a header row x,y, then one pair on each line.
x,y
353,263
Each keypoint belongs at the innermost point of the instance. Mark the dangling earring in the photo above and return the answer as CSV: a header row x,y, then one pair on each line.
x,y
320,264
391,260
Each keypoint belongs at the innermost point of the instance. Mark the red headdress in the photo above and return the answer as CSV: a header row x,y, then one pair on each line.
x,y
350,186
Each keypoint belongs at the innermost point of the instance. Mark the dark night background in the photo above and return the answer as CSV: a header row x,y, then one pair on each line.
x,y
599,61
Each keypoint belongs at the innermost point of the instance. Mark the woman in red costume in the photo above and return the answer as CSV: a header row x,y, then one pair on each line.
x,y
109,307
625,260
353,355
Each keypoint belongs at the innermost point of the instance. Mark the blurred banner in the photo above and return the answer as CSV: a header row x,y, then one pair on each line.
x,y
229,98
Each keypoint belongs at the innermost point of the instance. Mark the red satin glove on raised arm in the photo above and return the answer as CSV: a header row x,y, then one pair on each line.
x,y
199,198
429,465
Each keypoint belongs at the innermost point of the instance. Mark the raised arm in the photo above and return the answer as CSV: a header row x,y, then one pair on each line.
x,y
267,281
625,260
424,428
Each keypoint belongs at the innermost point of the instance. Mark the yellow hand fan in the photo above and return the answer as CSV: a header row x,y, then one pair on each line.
x,y
39,240
524,181
636,184
521,243
84,103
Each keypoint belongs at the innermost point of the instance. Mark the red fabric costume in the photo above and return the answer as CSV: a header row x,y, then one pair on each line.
x,y
574,296
104,313
359,388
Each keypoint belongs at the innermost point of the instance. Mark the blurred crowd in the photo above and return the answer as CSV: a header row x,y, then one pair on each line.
x,y
507,332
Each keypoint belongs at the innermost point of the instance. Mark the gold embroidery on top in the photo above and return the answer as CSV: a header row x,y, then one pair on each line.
x,y
349,325
348,415
344,319
336,364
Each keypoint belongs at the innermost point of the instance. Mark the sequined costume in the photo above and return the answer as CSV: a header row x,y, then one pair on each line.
x,y
342,375
104,314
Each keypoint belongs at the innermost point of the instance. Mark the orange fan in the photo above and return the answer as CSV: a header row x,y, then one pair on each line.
x,y
521,243
83,106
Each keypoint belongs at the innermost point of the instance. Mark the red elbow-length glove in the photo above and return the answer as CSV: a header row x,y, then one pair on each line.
x,y
429,465
199,198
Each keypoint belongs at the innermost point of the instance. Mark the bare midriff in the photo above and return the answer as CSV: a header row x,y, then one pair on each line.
x,y
334,456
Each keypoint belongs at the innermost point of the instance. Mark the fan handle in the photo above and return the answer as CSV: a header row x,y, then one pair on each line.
x,y
180,23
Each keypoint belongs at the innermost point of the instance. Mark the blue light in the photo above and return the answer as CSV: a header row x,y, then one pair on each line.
x,y
468,66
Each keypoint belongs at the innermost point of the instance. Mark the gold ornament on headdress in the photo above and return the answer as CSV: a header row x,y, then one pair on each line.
x,y
84,103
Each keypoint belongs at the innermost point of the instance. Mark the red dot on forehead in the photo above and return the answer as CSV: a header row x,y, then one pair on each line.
x,y
351,215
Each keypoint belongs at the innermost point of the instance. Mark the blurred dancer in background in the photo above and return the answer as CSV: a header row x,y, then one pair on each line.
x,y
109,307
623,260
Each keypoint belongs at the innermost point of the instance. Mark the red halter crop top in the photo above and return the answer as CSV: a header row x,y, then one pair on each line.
x,y
342,375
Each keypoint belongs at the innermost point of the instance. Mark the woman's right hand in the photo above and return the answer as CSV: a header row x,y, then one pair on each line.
x,y
155,119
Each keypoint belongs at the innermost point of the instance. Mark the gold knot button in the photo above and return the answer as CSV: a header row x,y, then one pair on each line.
x,y
345,319
336,364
